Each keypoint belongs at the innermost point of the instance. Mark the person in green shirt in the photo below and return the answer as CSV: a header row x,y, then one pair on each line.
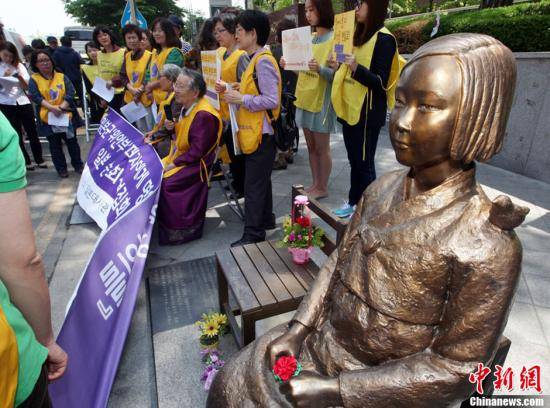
x,y
29,355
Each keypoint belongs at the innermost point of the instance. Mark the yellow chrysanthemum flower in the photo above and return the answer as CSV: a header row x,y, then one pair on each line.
x,y
210,328
219,318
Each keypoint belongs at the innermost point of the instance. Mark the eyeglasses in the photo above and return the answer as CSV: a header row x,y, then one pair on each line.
x,y
358,3
43,61
181,87
220,31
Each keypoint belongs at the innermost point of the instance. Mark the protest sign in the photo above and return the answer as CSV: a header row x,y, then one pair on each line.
x,y
344,24
211,72
119,189
297,48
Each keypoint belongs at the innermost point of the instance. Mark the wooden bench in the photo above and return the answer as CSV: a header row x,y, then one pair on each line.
x,y
264,280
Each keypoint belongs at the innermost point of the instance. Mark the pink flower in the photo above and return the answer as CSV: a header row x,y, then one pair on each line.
x,y
299,237
291,236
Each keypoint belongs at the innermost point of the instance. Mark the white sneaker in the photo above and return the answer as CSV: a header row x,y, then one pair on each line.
x,y
345,211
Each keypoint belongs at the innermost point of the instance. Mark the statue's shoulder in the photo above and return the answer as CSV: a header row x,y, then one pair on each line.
x,y
388,182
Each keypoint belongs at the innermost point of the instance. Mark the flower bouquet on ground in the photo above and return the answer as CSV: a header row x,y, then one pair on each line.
x,y
212,326
300,236
213,361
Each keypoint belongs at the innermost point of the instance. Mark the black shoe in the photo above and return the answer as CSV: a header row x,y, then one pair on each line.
x,y
271,224
63,174
238,195
42,165
245,241
30,167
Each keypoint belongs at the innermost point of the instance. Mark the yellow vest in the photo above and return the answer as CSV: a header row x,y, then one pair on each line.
x,y
110,64
348,95
90,71
161,116
157,62
135,70
10,363
52,90
229,75
311,87
181,144
251,123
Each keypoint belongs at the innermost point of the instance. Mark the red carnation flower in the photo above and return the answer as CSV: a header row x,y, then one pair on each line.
x,y
285,367
303,221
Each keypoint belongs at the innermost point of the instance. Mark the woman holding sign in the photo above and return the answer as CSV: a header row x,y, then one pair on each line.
x,y
167,50
109,62
234,63
314,112
363,87
53,93
259,98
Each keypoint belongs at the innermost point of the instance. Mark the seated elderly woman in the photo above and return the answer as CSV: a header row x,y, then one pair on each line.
x,y
164,127
419,290
184,190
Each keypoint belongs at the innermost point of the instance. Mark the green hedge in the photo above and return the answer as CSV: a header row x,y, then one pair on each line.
x,y
523,27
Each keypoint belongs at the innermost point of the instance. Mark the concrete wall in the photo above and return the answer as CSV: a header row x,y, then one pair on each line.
x,y
527,143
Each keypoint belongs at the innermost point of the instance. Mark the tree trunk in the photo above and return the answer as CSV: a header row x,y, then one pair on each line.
x,y
495,3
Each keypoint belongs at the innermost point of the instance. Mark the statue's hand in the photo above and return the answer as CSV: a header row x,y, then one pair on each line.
x,y
289,344
312,390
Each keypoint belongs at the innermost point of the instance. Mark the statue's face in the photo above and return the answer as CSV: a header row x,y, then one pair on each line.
x,y
427,102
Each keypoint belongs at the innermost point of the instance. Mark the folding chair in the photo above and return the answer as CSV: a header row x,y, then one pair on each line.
x,y
90,127
224,181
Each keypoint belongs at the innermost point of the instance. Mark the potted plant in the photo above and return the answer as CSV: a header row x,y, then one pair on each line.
x,y
300,235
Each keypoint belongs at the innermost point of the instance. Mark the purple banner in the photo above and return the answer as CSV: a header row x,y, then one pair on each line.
x,y
120,187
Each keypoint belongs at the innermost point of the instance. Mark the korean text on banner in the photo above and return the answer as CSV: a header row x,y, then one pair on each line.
x,y
297,48
211,72
120,190
344,24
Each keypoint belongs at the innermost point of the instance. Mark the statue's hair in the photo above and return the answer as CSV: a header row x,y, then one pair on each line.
x,y
488,71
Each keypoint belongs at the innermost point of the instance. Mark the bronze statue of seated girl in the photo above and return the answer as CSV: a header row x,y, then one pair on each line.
x,y
420,288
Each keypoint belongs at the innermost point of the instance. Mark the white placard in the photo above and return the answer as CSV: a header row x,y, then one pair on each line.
x,y
297,48
154,111
211,72
133,111
61,120
100,89
9,85
95,201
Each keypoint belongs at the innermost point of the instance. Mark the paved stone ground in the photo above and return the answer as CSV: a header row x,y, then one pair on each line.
x,y
66,250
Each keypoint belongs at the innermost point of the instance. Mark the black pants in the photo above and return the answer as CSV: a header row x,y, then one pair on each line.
x,y
237,165
258,199
360,144
39,397
23,116
58,157
117,102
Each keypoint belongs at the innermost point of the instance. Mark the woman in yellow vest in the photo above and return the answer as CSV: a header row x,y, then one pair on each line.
x,y
184,190
53,94
234,63
259,98
167,50
89,72
360,94
109,62
314,112
132,74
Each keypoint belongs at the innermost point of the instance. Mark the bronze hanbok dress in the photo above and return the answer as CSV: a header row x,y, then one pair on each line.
x,y
418,294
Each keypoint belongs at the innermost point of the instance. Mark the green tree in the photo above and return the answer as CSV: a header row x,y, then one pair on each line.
x,y
109,12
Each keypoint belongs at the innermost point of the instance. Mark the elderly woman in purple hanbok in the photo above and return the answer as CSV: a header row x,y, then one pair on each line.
x,y
184,190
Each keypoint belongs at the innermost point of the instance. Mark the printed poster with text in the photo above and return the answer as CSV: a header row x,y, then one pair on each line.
x,y
297,48
211,71
344,25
